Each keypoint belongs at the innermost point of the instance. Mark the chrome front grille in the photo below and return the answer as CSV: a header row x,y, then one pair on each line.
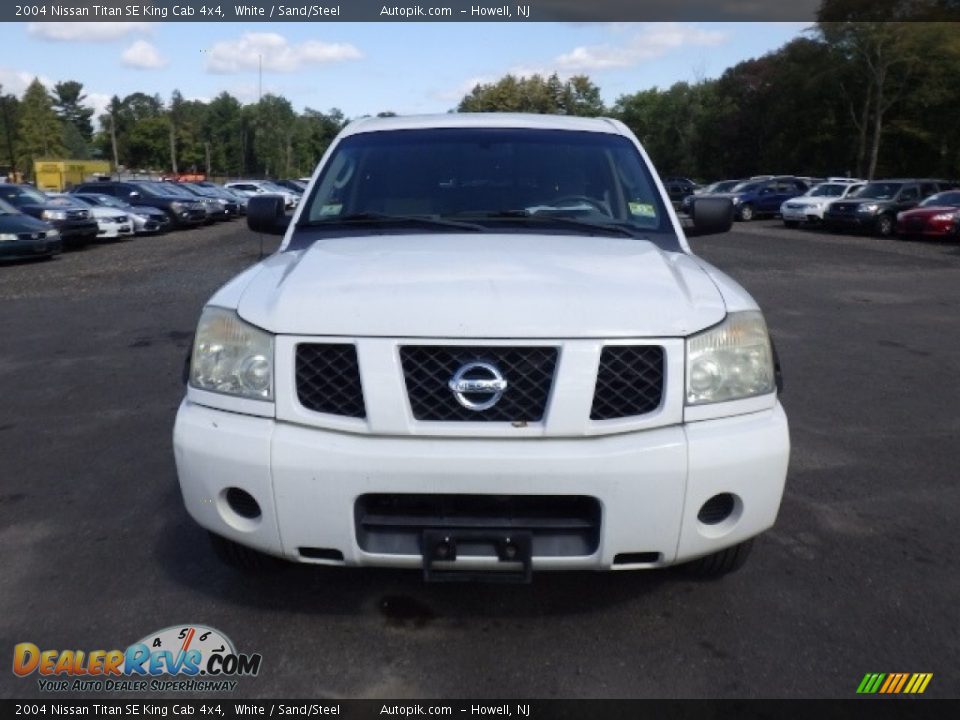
x,y
429,369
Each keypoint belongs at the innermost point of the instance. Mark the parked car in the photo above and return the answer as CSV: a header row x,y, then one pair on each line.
x,y
113,224
146,219
936,217
810,206
212,209
518,286
251,188
75,225
721,186
678,188
756,198
235,196
220,207
24,237
292,185
183,212
875,207
717,188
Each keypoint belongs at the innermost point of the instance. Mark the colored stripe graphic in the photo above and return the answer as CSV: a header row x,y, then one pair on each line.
x,y
894,683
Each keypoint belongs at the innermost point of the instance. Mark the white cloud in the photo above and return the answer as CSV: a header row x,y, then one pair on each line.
x,y
655,40
86,32
16,81
244,53
99,102
642,41
142,56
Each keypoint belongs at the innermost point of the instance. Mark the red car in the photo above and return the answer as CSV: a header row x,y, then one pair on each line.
x,y
936,217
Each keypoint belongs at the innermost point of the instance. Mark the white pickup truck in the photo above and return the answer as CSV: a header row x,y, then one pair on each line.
x,y
483,348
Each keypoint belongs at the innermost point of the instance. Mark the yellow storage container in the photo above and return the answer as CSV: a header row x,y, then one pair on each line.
x,y
60,175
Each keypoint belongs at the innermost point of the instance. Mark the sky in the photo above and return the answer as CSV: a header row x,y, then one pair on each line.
x,y
366,68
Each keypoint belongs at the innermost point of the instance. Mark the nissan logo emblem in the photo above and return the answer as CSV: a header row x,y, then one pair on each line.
x,y
478,386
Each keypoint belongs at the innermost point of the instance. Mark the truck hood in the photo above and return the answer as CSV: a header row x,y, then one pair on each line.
x,y
481,286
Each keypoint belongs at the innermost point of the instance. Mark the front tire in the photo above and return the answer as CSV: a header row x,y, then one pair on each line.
x,y
243,559
746,213
884,226
721,563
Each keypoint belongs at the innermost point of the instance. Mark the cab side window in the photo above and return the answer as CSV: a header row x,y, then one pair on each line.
x,y
910,192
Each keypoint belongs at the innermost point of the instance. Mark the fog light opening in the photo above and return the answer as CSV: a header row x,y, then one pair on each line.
x,y
243,503
717,509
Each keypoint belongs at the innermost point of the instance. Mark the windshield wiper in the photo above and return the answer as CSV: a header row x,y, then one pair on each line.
x,y
550,219
369,218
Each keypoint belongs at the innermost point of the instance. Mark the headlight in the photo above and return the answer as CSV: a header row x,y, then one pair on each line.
x,y
736,200
177,206
231,356
7,237
868,208
53,233
54,215
731,361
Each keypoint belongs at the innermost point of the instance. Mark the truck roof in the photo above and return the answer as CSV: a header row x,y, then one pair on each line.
x,y
486,120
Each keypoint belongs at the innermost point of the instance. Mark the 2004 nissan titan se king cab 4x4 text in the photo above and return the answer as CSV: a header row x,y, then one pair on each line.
x,y
483,348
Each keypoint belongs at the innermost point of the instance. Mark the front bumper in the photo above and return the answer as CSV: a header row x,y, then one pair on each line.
x,y
23,249
76,230
802,214
650,485
853,221
115,230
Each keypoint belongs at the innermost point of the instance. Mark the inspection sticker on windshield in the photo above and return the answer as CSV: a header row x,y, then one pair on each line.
x,y
331,209
642,209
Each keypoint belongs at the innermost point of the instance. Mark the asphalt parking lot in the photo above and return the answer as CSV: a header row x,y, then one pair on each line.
x,y
859,575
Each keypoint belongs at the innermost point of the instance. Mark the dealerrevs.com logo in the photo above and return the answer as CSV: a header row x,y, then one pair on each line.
x,y
177,658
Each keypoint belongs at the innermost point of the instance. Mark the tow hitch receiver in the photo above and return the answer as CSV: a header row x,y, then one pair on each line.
x,y
444,550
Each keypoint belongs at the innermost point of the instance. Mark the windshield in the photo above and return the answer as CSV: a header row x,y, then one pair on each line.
x,y
22,195
110,201
880,190
944,199
826,190
745,187
173,190
150,189
491,177
7,209
725,186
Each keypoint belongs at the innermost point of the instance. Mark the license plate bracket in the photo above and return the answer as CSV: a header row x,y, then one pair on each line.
x,y
513,549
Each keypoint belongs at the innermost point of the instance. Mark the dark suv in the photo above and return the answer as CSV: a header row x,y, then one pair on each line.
x,y
75,224
182,211
875,207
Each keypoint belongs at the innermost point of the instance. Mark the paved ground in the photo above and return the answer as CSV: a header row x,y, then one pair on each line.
x,y
860,573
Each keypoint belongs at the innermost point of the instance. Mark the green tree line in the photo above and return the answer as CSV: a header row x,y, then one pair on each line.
x,y
854,97
849,96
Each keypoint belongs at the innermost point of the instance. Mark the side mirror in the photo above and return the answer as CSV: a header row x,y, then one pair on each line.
x,y
265,214
709,216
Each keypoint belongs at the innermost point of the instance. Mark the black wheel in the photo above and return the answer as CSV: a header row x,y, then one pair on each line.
x,y
721,563
791,223
884,226
242,558
746,212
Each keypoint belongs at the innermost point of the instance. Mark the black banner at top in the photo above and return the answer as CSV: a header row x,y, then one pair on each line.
x,y
324,11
